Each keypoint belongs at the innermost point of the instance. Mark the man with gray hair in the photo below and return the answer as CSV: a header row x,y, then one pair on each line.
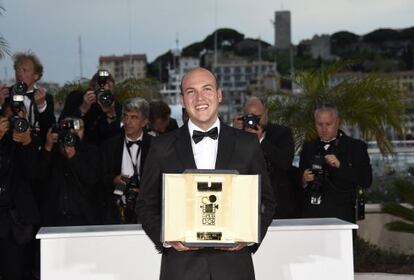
x,y
333,166
122,162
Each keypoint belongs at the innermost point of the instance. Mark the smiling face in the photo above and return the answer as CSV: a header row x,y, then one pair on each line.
x,y
201,97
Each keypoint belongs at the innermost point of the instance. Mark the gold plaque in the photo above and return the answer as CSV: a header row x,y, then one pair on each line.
x,y
210,208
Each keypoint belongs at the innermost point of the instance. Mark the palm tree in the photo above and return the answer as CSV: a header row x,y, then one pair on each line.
x,y
4,46
372,102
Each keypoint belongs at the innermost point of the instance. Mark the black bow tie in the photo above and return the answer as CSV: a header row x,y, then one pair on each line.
x,y
199,135
130,143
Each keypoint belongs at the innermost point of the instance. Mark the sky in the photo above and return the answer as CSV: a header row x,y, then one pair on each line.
x,y
51,28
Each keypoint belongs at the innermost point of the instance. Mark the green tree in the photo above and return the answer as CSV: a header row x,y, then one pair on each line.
x,y
372,102
146,88
4,46
405,191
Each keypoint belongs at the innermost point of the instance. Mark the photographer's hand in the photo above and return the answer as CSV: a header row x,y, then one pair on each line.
x,y
40,98
259,131
4,93
332,160
4,126
88,99
238,122
308,176
119,180
22,137
51,138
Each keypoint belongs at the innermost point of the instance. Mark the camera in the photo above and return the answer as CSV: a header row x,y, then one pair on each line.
x,y
19,124
250,121
104,96
209,201
127,190
66,136
316,186
17,93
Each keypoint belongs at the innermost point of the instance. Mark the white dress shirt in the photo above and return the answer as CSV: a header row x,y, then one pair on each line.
x,y
127,166
205,151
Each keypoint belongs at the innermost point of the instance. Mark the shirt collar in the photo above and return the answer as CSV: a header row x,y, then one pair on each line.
x,y
139,138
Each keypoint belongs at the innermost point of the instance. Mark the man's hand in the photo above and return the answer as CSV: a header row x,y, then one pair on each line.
x,y
88,99
119,180
308,176
239,246
332,160
51,138
40,97
4,126
22,137
259,131
178,246
238,122
4,93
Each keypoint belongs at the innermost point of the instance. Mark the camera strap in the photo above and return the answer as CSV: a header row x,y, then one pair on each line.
x,y
134,164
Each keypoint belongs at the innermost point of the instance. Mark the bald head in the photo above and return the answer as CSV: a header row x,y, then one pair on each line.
x,y
196,71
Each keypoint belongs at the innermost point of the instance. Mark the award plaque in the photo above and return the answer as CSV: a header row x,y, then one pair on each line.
x,y
211,208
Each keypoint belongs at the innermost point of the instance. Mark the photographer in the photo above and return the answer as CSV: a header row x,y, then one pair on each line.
x,y
160,120
123,158
69,168
97,107
278,148
18,209
332,168
39,105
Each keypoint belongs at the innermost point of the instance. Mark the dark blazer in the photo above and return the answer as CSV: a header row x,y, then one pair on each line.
x,y
172,153
111,152
47,118
69,185
278,149
339,190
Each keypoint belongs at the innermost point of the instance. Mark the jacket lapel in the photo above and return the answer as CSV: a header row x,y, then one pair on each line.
x,y
184,149
225,147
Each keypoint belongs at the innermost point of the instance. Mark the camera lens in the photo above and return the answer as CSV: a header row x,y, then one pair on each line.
x,y
20,124
106,98
212,198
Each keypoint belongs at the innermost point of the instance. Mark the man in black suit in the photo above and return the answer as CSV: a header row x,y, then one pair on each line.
x,y
69,169
38,104
186,148
123,159
278,148
332,167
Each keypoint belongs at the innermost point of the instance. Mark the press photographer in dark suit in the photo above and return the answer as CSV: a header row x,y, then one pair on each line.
x,y
69,169
332,167
38,104
202,143
98,108
122,162
18,209
277,144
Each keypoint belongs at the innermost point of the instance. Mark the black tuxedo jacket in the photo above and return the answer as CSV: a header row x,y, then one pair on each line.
x,y
278,149
339,189
172,153
111,152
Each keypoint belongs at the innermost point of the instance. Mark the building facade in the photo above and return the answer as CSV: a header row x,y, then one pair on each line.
x,y
282,30
125,66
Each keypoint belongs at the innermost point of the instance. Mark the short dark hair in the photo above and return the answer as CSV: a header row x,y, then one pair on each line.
x,y
159,110
19,57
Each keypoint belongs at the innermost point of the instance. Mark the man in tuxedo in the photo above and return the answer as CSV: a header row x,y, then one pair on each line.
x,y
202,143
332,167
278,148
122,160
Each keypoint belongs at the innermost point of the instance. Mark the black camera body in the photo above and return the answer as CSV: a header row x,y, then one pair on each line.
x,y
66,136
128,191
17,93
104,96
250,121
